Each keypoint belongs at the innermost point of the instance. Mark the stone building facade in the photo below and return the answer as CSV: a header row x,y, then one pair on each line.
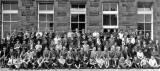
x,y
90,15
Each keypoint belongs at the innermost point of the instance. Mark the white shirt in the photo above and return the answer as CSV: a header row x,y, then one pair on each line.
x,y
120,35
38,46
56,40
95,34
86,47
140,55
39,33
69,34
133,40
152,62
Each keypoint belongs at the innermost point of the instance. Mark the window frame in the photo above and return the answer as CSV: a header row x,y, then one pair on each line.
x,y
77,11
46,12
145,12
109,13
10,12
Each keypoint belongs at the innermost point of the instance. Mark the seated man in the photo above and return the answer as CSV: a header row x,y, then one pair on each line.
x,y
40,62
128,62
53,63
3,57
62,62
152,62
85,62
136,62
26,59
111,57
92,63
100,61
69,62
10,62
140,54
117,56
46,55
122,63
77,63
17,63
105,55
144,63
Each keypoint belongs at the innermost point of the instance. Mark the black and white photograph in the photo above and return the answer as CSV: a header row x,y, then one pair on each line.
x,y
79,35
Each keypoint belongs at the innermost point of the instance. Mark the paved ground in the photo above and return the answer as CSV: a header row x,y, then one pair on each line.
x,y
5,69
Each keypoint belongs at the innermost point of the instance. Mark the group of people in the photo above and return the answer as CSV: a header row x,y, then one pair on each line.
x,y
102,50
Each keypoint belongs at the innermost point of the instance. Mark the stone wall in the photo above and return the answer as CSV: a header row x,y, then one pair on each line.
x,y
28,14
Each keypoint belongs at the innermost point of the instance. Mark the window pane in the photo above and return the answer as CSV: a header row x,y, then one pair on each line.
x,y
50,6
140,18
140,5
144,6
14,6
81,26
140,26
42,17
74,18
114,20
6,6
149,32
51,26
6,17
42,6
14,17
14,26
42,26
148,26
81,6
74,26
49,17
106,19
113,7
147,17
74,6
148,6
6,28
81,17
106,7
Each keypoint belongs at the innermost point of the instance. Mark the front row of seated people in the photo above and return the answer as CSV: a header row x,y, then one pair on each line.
x,y
98,59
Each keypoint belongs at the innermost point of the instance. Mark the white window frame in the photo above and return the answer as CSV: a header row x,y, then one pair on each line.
x,y
45,12
147,12
7,12
77,11
109,13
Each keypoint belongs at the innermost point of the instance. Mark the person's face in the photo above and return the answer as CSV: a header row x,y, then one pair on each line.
x,y
150,42
152,57
11,50
51,48
99,49
24,42
147,35
54,57
4,49
61,57
38,42
76,58
105,49
157,41
135,58
17,41
46,48
94,48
